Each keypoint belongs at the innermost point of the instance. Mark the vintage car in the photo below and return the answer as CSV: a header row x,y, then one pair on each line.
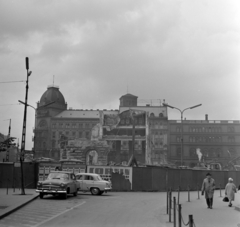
x,y
94,183
58,183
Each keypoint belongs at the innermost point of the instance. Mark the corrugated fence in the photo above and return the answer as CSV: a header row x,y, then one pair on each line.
x,y
122,178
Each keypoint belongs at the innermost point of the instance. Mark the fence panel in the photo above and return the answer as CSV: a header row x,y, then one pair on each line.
x,y
235,175
6,175
159,179
173,178
142,179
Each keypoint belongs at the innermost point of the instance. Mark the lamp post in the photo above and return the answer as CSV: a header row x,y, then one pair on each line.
x,y
181,111
24,129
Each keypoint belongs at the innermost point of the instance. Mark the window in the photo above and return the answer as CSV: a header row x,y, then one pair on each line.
x,y
86,177
87,125
231,129
53,125
179,152
67,133
53,135
67,125
231,139
74,134
74,125
80,134
178,129
179,139
80,125
87,135
61,125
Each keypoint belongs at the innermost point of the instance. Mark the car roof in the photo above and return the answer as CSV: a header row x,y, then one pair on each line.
x,y
60,172
93,174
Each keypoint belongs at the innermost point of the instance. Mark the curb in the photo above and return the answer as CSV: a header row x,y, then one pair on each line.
x,y
11,210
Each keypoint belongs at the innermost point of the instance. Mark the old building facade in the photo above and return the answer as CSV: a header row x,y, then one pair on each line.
x,y
157,140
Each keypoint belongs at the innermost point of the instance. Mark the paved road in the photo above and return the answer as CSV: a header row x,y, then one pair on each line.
x,y
118,209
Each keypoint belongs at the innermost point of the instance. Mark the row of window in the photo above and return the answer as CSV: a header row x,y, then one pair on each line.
x,y
214,152
207,139
74,125
128,121
207,129
81,134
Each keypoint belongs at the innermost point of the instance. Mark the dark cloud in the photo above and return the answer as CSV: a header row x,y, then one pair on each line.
x,y
186,52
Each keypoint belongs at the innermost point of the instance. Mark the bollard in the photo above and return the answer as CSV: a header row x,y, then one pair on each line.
x,y
167,200
174,212
178,194
179,215
190,220
170,206
198,191
188,194
220,191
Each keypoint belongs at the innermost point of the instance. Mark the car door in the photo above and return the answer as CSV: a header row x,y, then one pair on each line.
x,y
74,183
80,179
88,182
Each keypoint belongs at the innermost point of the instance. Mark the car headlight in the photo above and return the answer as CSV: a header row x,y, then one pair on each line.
x,y
39,184
63,185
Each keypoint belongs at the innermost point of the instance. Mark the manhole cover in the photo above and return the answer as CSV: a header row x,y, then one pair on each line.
x,y
3,207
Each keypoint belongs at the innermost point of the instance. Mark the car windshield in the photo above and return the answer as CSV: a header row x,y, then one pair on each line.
x,y
58,176
98,177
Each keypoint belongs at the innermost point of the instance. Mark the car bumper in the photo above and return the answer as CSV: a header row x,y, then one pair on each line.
x,y
51,191
107,189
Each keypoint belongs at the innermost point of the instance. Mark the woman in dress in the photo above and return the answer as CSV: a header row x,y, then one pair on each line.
x,y
230,191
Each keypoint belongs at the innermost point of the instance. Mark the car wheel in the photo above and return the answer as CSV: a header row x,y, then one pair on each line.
x,y
64,196
95,191
41,195
75,193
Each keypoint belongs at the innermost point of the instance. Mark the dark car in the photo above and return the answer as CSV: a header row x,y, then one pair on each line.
x,y
58,183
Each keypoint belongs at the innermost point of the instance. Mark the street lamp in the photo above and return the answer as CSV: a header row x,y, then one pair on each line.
x,y
181,111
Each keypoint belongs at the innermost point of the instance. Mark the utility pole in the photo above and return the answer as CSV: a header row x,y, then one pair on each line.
x,y
24,130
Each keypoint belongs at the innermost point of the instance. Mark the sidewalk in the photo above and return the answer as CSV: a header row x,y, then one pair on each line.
x,y
14,200
220,216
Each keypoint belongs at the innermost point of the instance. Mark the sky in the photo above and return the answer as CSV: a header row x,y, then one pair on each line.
x,y
185,52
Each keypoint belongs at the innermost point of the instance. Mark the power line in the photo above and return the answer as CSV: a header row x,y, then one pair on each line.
x,y
10,104
4,82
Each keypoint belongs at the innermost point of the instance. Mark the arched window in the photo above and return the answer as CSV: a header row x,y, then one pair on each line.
x,y
179,152
152,115
178,129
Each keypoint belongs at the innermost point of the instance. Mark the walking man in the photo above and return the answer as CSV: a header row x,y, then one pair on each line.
x,y
208,187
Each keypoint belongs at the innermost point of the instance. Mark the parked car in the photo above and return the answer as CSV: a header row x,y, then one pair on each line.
x,y
58,183
94,183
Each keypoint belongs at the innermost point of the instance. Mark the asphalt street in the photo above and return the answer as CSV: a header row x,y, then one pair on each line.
x,y
118,209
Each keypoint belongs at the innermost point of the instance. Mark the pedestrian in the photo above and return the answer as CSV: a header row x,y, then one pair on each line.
x,y
230,191
208,187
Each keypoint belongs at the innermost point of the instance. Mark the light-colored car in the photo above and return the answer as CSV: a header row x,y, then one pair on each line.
x,y
58,183
94,183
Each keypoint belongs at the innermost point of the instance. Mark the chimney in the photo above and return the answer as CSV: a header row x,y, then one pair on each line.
x,y
206,117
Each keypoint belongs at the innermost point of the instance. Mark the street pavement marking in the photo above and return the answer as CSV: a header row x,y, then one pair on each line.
x,y
65,211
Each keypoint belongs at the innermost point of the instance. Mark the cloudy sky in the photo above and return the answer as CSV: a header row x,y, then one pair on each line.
x,y
184,51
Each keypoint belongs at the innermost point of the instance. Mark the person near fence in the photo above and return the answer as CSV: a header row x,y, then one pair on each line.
x,y
208,187
230,191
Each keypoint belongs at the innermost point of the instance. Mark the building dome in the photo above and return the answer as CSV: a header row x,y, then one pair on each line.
x,y
52,94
